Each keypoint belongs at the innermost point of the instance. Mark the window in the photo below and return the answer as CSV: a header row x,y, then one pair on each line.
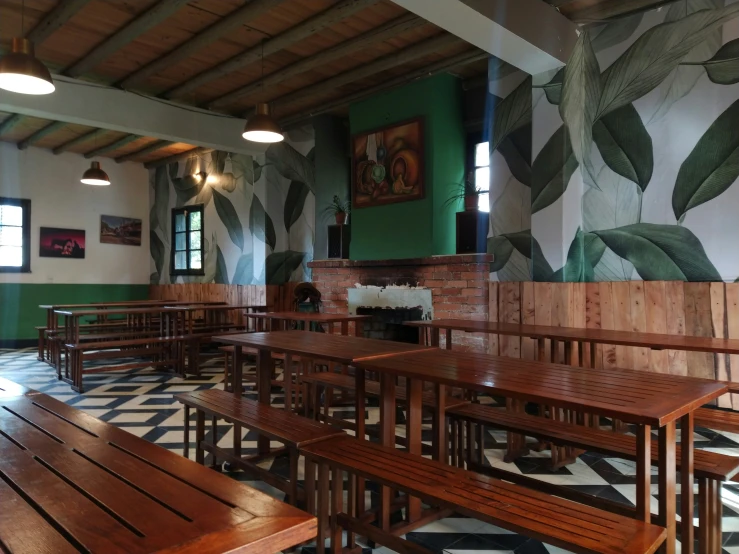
x,y
15,235
482,174
187,241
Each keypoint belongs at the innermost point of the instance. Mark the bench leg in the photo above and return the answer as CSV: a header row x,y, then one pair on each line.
x,y
292,495
186,438
214,461
323,509
310,487
199,437
337,497
41,347
709,515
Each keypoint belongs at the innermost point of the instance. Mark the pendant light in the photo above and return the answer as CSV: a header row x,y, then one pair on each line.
x,y
95,176
261,127
20,71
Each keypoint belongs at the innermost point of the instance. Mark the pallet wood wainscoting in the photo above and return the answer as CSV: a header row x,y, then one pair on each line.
x,y
275,297
672,307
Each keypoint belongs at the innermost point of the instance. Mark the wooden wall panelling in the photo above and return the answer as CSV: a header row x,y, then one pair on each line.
x,y
621,299
543,307
698,323
717,294
528,316
578,316
656,322
677,360
608,351
510,312
732,326
493,340
639,322
592,319
562,294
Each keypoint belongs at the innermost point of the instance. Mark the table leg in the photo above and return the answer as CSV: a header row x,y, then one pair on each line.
x,y
643,472
686,483
435,336
358,328
237,372
439,446
448,339
541,352
264,384
287,379
345,328
666,492
359,376
387,438
413,436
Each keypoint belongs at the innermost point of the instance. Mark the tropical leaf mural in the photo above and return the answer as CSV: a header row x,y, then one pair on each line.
x,y
242,195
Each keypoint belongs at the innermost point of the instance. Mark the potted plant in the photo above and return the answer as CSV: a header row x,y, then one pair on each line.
x,y
339,209
467,191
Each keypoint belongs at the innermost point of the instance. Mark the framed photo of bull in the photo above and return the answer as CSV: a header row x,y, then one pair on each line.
x,y
388,164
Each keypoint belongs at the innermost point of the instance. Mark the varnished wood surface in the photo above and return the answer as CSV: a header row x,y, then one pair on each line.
x,y
72,483
278,424
630,395
723,420
309,316
123,304
600,336
553,520
320,346
116,311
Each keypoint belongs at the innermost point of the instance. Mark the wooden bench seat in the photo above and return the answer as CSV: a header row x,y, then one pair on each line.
x,y
710,468
553,520
165,351
279,425
722,420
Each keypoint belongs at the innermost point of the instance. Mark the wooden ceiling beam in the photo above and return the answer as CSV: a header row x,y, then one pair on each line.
x,y
158,145
120,143
55,19
389,30
409,54
294,34
447,64
41,133
223,26
10,123
199,151
92,135
140,24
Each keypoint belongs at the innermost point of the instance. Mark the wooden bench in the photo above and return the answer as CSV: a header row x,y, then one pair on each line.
x,y
165,351
279,425
723,420
710,468
553,520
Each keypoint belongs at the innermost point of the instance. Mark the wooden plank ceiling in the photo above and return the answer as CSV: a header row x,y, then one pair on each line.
x,y
318,55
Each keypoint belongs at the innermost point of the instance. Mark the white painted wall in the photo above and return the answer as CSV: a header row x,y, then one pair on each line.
x,y
58,199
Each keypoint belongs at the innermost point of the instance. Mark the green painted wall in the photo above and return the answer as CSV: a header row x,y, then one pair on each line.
x,y
422,227
19,303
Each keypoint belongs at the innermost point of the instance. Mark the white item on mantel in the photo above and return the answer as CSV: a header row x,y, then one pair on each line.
x,y
392,298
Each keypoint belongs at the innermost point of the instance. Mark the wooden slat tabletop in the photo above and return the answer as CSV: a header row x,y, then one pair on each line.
x,y
131,303
321,346
189,307
633,396
72,483
309,316
600,336
118,311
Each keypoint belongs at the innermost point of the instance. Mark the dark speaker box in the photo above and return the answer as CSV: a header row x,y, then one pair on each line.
x,y
339,237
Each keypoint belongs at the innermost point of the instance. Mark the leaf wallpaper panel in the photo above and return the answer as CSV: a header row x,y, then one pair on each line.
x,y
259,213
635,155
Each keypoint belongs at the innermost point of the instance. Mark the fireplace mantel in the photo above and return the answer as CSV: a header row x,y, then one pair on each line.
x,y
458,284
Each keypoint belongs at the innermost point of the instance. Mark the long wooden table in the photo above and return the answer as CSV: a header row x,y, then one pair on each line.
x,y
71,483
569,335
644,399
277,321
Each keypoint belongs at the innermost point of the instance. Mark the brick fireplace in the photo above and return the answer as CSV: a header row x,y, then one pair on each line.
x,y
458,284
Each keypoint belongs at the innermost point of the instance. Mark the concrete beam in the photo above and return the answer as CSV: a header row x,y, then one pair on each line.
x,y
528,34
108,108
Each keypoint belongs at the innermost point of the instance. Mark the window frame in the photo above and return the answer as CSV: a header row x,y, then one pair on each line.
x,y
187,210
473,139
25,205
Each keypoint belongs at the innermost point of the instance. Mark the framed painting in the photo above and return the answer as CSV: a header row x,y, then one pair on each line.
x,y
120,230
388,164
61,243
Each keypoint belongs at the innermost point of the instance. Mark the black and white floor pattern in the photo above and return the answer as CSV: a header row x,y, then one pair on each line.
x,y
142,403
